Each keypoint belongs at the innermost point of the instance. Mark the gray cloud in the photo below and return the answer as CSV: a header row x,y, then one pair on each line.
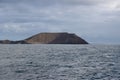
x,y
54,2
95,20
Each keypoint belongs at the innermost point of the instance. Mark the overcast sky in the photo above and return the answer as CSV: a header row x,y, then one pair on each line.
x,y
97,21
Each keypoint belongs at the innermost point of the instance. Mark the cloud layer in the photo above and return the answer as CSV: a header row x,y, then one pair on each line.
x,y
97,21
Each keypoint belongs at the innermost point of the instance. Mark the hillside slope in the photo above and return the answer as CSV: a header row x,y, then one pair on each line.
x,y
55,38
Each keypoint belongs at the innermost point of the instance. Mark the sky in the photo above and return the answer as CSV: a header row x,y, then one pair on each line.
x,y
96,21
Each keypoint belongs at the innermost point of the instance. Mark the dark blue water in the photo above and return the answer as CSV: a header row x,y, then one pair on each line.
x,y
59,62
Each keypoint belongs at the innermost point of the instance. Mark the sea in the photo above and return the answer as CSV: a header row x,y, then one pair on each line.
x,y
59,62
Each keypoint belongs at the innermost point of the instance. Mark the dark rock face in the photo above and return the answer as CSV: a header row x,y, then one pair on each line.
x,y
49,38
19,42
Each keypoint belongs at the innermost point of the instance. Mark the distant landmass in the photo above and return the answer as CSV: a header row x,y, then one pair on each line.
x,y
49,38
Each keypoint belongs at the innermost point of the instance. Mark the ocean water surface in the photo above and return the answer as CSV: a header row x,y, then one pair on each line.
x,y
59,62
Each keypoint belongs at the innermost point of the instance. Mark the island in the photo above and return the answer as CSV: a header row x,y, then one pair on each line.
x,y
49,38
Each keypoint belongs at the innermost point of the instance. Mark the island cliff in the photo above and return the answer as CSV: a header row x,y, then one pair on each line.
x,y
49,38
